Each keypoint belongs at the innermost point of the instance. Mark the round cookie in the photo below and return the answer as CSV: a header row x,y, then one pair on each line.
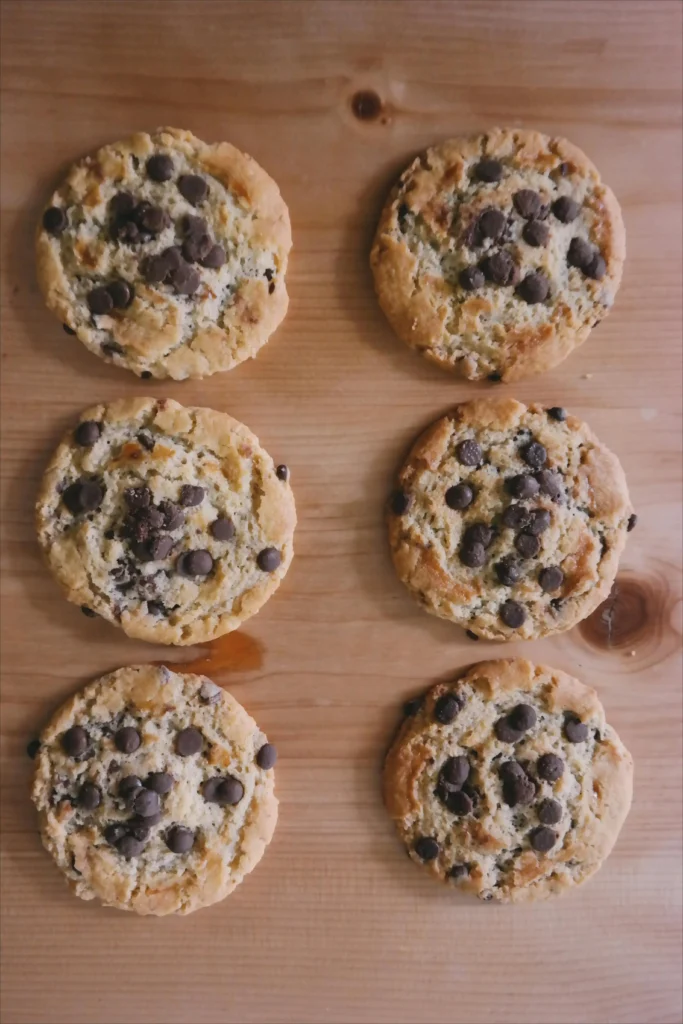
x,y
509,520
170,522
155,791
167,255
508,783
496,254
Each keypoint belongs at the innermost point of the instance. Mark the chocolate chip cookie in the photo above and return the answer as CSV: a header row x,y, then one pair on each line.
x,y
495,255
167,255
155,791
509,520
170,522
508,783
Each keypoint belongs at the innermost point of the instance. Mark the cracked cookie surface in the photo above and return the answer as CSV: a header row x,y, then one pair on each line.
x,y
496,254
509,520
508,783
170,522
155,791
166,255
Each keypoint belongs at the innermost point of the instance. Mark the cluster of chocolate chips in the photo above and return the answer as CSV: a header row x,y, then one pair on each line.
x,y
453,789
174,265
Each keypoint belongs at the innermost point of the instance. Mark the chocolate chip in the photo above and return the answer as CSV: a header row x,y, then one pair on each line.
x,y
185,279
111,349
500,268
189,741
471,278
193,225
180,839
478,533
75,741
172,517
196,247
469,453
114,832
495,377
536,233
426,848
579,253
89,796
632,523
550,767
411,707
137,497
557,413
122,294
128,784
542,839
534,288
518,789
282,473
511,769
100,301
229,792
454,772
54,220
516,517
87,432
527,545
122,205
146,440
191,495
508,572
488,170
491,224
565,209
155,269
527,203
539,521
193,188
160,167
523,486
551,578
222,528
534,454
458,871
140,828
563,169
269,559
549,812
266,756
459,496
575,730
400,502
512,614
459,802
83,496
597,267
215,258
129,847
195,563
156,608
209,692
146,374
159,547
470,635
447,707
127,739
209,789
550,483
88,612
67,329
32,748
473,555
523,717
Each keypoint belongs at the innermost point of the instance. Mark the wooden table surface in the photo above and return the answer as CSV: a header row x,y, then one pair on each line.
x,y
336,925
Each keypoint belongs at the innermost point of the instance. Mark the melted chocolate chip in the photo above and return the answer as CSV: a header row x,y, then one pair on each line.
x,y
215,258
191,495
539,521
83,496
454,772
185,279
197,247
172,517
518,789
500,268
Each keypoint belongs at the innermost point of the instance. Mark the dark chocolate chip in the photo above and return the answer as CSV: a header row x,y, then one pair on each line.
x,y
88,612
454,772
508,572
191,495
195,563
87,432
54,220
209,789
100,301
550,483
458,871
122,294
527,203
575,730
512,614
536,233
138,830
114,832
426,848
75,741
197,247
269,559
122,205
229,792
516,517
491,223
83,496
500,268
215,258
556,412
159,547
193,188
146,374
471,278
137,497
180,839
551,579
523,486
542,839
550,767
579,253
32,748
473,556
534,288
189,741
400,502
495,378
518,789
549,812
565,209
459,496
470,635
193,225
129,847
127,739
173,518
185,279
488,170
527,545
146,440
137,821
510,769
597,268
128,784
563,169
447,707
89,796
222,528
160,167
522,717
412,706
534,454
469,453
478,533
266,756
282,472
67,329
155,269
459,802
632,523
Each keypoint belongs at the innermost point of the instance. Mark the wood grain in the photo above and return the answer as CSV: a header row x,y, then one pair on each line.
x,y
336,925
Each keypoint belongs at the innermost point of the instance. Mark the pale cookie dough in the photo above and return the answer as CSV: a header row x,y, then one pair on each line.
x,y
170,522
155,791
508,783
167,255
495,255
509,520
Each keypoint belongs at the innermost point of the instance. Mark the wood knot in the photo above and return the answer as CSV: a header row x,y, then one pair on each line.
x,y
623,619
366,105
